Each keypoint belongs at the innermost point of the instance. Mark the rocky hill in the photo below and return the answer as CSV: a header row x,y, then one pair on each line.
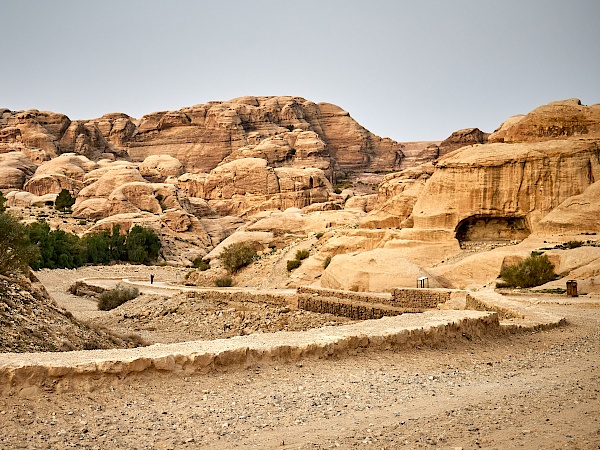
x,y
32,322
285,173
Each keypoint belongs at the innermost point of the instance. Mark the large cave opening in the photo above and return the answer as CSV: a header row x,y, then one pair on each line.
x,y
492,230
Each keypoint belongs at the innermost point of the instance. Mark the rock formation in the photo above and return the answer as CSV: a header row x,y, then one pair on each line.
x,y
462,138
556,120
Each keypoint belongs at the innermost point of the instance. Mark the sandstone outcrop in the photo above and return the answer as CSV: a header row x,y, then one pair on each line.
x,y
557,120
526,180
577,214
157,168
378,270
462,138
15,168
66,171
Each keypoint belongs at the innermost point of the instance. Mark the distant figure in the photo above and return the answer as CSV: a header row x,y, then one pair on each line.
x,y
151,278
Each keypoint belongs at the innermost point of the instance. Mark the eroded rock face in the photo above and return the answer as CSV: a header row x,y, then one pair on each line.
x,y
525,180
15,168
66,171
462,138
557,120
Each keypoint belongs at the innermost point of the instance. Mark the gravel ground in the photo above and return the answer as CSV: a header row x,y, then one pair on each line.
x,y
532,390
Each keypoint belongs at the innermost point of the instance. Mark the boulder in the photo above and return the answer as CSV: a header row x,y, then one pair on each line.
x,y
15,168
156,168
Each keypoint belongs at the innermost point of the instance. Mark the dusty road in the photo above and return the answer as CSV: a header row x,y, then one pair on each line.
x,y
533,390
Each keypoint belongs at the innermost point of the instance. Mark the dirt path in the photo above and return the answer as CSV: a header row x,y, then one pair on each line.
x,y
533,390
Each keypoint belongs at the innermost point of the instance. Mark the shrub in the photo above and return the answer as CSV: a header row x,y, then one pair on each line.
x,y
293,264
199,263
301,254
319,235
2,201
326,262
236,256
290,127
224,282
573,244
111,299
535,270
64,201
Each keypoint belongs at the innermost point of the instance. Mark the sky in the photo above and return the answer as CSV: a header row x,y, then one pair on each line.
x,y
408,70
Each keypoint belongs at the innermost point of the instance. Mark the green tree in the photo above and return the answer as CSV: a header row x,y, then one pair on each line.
x,y
142,244
64,201
16,251
97,247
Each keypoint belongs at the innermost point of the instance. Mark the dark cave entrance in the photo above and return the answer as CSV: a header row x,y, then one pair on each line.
x,y
492,229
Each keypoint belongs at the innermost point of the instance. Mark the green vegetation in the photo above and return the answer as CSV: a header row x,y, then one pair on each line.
x,y
2,201
16,251
326,262
58,249
236,256
293,264
319,235
535,270
224,282
64,201
290,127
199,263
111,299
142,245
302,254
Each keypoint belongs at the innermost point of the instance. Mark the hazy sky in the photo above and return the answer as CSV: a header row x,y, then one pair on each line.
x,y
410,70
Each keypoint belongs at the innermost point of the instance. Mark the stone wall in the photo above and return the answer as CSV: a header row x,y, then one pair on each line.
x,y
346,308
420,299
370,305
244,296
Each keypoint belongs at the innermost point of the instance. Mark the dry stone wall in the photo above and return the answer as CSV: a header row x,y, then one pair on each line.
x,y
363,305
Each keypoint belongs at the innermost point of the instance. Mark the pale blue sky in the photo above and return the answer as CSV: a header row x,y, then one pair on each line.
x,y
410,70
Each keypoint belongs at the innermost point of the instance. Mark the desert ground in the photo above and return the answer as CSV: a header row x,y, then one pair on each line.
x,y
529,390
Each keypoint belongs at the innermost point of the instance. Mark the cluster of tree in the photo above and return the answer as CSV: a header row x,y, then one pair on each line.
x,y
37,246
58,249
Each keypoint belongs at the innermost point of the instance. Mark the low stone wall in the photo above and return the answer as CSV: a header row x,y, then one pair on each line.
x,y
34,374
346,308
371,305
421,299
82,287
244,296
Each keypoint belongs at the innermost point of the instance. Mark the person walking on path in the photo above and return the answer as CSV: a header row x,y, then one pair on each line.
x,y
151,278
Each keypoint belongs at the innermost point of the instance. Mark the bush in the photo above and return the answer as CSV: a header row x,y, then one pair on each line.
x,y
224,282
326,262
64,201
236,256
293,264
535,270
319,235
301,254
2,201
199,263
573,244
16,250
111,299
